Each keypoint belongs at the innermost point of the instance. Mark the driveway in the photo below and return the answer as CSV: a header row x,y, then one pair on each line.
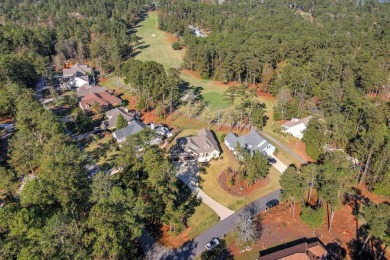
x,y
195,247
188,172
281,167
288,150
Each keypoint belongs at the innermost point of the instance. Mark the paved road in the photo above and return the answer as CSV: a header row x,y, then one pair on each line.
x,y
298,157
188,172
195,247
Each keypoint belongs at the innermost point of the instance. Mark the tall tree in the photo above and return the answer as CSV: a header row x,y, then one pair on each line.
x,y
293,186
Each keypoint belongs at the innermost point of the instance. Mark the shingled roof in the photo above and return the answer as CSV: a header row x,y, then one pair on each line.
x,y
295,121
252,141
203,143
103,99
113,117
79,69
134,127
87,89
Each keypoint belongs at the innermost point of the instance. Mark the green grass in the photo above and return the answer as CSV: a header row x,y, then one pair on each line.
x,y
156,45
203,219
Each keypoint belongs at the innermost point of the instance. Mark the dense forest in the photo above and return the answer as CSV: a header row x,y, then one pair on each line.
x,y
32,31
325,58
50,204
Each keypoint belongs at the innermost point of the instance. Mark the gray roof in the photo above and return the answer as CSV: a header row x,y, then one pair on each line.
x,y
113,117
86,89
133,128
204,142
252,141
78,69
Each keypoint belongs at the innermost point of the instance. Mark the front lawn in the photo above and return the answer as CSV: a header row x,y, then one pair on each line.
x,y
212,188
203,219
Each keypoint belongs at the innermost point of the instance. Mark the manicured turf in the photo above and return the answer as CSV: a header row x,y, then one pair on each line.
x,y
156,45
203,219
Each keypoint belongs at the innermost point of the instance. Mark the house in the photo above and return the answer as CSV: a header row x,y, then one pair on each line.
x,y
161,130
76,76
295,126
302,249
113,114
104,100
204,146
252,142
133,128
87,89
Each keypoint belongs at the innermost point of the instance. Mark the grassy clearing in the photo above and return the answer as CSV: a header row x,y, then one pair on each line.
x,y
156,45
212,91
203,218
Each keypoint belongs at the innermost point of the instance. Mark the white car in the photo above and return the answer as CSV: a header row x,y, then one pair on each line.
x,y
212,244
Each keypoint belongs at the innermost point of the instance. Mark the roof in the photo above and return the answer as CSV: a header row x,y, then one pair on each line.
x,y
317,250
204,142
295,250
103,99
295,121
86,89
133,128
296,256
77,69
252,141
113,116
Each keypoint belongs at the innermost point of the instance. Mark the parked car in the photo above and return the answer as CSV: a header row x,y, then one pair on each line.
x,y
272,203
212,244
271,160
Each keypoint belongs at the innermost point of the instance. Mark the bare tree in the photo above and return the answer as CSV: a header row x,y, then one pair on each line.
x,y
248,226
208,114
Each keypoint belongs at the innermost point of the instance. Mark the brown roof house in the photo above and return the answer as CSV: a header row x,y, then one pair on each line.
x,y
87,89
301,249
203,145
104,100
76,76
113,114
295,126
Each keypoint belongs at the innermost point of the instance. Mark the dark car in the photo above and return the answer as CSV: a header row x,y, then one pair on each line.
x,y
272,203
271,160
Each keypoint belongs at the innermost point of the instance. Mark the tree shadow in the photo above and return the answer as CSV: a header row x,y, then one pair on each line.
x,y
143,47
221,252
134,54
335,251
187,251
372,249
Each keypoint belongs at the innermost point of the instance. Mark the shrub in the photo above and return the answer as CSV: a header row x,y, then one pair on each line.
x,y
223,137
314,218
176,46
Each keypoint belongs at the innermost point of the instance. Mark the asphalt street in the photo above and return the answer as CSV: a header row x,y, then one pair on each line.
x,y
195,247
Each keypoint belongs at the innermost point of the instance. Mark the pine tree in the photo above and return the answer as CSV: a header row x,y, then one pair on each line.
x,y
120,122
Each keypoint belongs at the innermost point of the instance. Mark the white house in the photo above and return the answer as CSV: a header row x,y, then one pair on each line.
x,y
252,142
77,76
204,146
295,126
